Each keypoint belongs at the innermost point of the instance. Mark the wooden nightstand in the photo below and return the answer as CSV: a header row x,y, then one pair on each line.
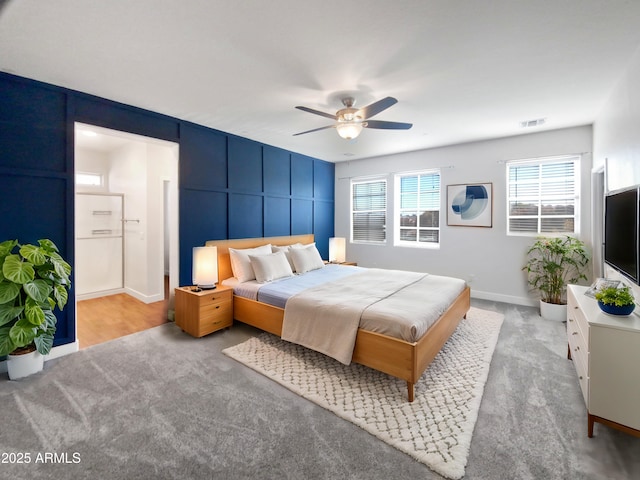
x,y
201,313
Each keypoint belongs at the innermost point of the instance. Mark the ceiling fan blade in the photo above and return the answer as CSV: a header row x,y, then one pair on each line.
x,y
318,112
314,130
388,125
377,107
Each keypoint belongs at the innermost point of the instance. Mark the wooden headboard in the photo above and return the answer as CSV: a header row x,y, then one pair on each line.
x,y
224,260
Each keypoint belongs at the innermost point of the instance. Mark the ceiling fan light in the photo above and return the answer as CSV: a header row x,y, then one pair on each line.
x,y
349,130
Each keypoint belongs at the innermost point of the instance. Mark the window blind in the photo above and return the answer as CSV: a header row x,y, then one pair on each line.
x,y
543,196
369,211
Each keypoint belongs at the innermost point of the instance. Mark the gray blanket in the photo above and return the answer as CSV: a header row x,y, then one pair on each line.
x,y
326,318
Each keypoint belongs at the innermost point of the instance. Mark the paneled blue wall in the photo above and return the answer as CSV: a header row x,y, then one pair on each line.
x,y
230,187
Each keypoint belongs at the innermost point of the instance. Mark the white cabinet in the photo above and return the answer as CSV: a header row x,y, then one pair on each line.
x,y
99,246
605,350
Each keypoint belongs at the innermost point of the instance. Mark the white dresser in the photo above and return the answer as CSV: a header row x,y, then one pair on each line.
x,y
606,354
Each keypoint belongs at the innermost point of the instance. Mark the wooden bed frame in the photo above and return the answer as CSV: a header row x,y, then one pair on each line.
x,y
392,356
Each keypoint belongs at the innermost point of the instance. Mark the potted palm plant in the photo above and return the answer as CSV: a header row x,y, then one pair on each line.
x,y
552,264
34,281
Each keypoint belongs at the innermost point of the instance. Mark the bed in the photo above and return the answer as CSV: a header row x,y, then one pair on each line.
x,y
400,358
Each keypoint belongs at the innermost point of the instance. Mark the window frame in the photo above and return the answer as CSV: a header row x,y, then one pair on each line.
x,y
99,176
576,159
398,210
365,180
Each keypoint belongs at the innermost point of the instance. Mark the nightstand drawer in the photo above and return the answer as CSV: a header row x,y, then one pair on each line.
x,y
215,297
221,319
220,309
207,308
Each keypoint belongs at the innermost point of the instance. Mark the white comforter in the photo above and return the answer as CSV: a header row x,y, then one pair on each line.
x,y
326,318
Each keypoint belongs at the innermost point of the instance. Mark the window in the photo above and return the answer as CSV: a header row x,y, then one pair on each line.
x,y
369,211
89,179
543,196
418,209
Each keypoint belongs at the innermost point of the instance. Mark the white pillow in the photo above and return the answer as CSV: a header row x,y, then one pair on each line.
x,y
307,258
287,253
300,245
270,267
240,263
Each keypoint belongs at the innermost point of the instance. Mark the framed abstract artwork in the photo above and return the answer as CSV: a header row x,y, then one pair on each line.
x,y
470,205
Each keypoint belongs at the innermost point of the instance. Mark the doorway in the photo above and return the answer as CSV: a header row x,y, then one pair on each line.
x,y
136,249
598,190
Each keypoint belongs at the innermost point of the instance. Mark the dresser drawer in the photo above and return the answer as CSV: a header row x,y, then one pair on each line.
x,y
575,317
583,377
579,352
577,343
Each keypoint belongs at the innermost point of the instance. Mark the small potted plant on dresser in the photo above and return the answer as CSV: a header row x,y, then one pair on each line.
x,y
552,264
616,300
34,280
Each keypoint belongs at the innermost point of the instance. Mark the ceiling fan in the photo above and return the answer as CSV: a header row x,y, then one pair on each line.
x,y
350,120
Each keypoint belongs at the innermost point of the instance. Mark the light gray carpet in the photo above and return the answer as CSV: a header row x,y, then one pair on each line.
x,y
163,405
436,428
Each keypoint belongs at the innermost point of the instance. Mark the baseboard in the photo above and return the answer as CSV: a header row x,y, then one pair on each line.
x,y
129,291
144,298
62,350
56,352
102,293
496,297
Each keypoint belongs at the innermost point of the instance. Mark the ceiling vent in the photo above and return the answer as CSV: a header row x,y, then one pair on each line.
x,y
533,123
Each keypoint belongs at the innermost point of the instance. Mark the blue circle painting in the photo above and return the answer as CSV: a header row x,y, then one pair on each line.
x,y
470,202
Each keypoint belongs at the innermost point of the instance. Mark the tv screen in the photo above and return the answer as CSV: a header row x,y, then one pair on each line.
x,y
621,232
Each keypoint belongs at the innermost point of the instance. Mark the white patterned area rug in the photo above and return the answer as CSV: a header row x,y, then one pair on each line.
x,y
435,429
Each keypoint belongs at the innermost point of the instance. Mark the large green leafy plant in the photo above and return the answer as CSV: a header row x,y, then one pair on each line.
x,y
34,280
553,263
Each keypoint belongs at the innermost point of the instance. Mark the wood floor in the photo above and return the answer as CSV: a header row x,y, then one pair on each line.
x,y
106,318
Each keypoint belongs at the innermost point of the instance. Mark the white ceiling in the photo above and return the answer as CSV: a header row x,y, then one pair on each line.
x,y
462,70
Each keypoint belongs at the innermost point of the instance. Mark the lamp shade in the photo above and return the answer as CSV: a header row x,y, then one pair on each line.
x,y
337,250
349,130
205,267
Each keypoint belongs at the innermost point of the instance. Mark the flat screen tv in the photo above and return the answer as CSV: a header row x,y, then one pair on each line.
x,y
621,248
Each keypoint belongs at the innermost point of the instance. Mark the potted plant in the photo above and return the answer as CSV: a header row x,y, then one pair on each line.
x,y
616,300
34,280
552,264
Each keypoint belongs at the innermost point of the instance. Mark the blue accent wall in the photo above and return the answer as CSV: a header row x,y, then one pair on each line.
x,y
229,186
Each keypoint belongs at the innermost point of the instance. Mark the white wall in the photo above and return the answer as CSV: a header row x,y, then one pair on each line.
x,y
128,175
90,161
616,137
139,170
486,257
616,133
162,165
